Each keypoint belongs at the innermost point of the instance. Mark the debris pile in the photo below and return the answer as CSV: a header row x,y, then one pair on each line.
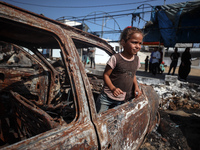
x,y
179,116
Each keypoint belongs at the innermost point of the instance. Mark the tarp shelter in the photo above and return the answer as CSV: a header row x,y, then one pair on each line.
x,y
175,23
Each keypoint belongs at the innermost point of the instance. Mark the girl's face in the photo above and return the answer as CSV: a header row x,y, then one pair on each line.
x,y
133,45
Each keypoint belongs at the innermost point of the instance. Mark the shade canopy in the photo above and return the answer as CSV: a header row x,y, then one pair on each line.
x,y
175,23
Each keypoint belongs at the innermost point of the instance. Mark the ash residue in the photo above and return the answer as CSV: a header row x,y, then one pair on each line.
x,y
179,109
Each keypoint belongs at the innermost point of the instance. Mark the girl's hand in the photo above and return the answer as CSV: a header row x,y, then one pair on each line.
x,y
137,93
117,91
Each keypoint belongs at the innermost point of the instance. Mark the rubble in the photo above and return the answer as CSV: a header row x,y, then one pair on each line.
x,y
179,109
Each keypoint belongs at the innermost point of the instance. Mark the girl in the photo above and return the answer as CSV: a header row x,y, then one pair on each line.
x,y
120,83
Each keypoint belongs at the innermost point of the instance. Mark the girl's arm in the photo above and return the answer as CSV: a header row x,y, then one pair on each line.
x,y
137,91
106,76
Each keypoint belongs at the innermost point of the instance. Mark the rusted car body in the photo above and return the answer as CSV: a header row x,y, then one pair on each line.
x,y
51,104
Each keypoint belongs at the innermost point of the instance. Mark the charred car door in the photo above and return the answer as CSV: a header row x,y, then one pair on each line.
x,y
125,126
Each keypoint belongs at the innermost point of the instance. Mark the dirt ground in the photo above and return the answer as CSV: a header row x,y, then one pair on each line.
x,y
193,72
193,77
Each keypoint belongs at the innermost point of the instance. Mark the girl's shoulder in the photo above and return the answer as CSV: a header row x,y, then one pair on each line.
x,y
119,56
116,54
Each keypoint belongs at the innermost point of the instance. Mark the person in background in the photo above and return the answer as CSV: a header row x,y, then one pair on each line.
x,y
120,83
46,52
185,65
84,56
174,57
92,51
160,60
162,67
146,63
150,62
155,61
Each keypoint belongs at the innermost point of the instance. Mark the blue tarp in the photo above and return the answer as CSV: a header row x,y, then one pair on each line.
x,y
167,29
175,23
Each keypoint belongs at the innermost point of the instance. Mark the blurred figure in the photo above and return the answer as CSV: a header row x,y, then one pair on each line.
x,y
92,51
155,61
46,52
174,57
162,67
150,62
84,56
146,63
185,65
160,60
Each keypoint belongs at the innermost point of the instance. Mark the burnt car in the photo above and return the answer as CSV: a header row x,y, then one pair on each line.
x,y
49,103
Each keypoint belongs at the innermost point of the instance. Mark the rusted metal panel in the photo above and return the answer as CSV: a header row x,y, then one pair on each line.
x,y
64,137
153,103
128,123
125,126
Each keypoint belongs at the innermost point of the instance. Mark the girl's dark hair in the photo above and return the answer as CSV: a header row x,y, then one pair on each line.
x,y
128,31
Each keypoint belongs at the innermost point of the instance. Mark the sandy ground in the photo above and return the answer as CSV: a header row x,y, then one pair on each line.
x,y
193,72
193,77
